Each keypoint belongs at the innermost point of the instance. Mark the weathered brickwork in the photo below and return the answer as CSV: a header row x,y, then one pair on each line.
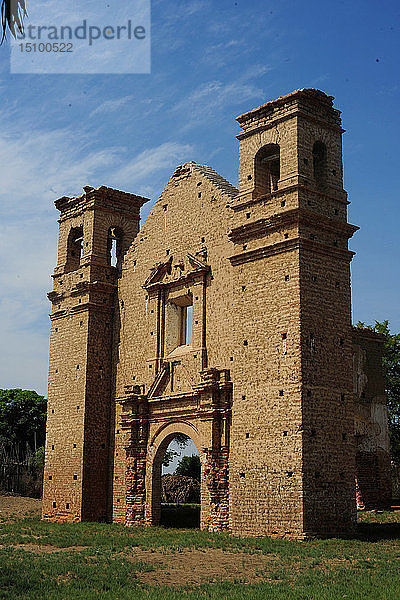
x,y
264,386
373,469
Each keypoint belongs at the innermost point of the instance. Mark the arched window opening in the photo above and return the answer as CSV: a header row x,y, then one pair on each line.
x,y
114,247
178,503
319,162
267,169
74,249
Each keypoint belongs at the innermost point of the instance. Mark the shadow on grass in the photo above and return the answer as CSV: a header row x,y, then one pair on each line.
x,y
180,516
374,532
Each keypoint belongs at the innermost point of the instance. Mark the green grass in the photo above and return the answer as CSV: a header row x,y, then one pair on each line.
x,y
102,566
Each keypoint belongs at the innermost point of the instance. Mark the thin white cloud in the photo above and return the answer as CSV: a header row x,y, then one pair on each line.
x,y
110,106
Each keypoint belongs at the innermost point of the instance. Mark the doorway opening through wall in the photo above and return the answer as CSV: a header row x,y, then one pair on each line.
x,y
180,484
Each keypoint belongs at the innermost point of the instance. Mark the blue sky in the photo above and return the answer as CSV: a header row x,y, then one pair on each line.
x,y
210,62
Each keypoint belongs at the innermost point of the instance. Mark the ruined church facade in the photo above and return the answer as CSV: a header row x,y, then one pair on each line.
x,y
283,399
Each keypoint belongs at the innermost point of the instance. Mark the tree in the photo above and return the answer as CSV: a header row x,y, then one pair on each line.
x,y
391,370
189,466
182,440
22,421
12,14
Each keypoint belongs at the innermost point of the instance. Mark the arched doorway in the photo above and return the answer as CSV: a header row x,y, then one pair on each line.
x,y
182,505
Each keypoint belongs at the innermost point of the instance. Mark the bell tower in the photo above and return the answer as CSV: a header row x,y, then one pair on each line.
x,y
95,231
292,465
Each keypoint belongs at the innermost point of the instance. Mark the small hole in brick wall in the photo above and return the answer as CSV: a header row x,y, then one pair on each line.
x,y
75,477
122,304
203,239
242,475
244,246
77,367
74,445
286,277
52,446
248,215
165,206
281,392
344,436
50,477
308,393
87,244
245,343
196,322
284,336
285,434
342,397
80,301
118,500
243,397
335,243
67,505
305,161
52,411
56,329
247,436
56,370
194,355
81,323
231,358
196,298
60,282
167,251
151,333
317,474
341,341
116,477
286,235
78,407
81,275
283,203
199,194
117,430
249,177
133,378
289,473
243,288
152,311
150,366
134,263
212,277
59,306
336,211
116,454
54,504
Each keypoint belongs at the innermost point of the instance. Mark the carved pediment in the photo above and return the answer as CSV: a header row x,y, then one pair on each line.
x,y
177,269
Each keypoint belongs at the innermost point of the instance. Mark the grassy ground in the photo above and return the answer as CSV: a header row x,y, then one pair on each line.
x,y
91,561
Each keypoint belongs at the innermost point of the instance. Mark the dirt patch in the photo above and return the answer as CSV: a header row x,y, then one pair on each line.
x,y
45,549
194,567
18,506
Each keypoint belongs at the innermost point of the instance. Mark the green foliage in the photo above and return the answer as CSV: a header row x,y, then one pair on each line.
x,y
189,466
182,440
22,416
391,369
37,459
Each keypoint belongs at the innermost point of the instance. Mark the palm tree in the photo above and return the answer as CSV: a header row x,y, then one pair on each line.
x,y
12,14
